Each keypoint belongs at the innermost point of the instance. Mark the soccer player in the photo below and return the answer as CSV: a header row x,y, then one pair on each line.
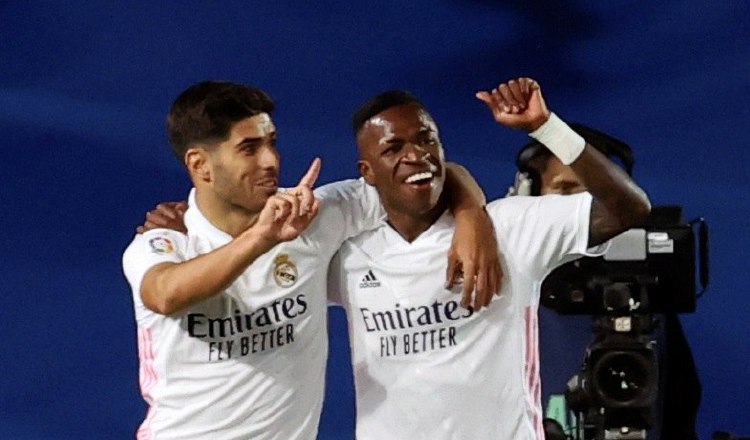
x,y
231,316
423,366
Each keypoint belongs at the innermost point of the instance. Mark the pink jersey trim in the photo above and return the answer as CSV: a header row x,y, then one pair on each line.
x,y
534,390
148,379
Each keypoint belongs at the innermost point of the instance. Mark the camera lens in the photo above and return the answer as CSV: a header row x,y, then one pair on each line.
x,y
622,379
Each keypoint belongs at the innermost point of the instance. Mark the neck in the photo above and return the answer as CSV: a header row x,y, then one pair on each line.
x,y
227,217
411,225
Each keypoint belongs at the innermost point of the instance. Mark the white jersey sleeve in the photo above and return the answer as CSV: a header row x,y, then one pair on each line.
x,y
543,232
144,252
357,203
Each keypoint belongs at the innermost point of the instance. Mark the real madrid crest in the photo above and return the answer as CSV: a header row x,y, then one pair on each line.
x,y
284,271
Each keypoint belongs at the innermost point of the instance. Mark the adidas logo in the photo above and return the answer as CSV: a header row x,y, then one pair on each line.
x,y
369,280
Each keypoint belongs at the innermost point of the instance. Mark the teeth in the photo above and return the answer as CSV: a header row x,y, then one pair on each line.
x,y
419,176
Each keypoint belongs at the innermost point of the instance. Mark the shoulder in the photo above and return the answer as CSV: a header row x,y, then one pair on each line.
x,y
518,207
347,208
366,240
370,245
509,209
146,251
156,245
349,196
343,190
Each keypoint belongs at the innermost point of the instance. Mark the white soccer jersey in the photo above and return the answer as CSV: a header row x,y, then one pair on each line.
x,y
248,363
426,368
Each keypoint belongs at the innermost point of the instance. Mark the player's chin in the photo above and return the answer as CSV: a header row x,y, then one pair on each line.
x,y
426,190
419,199
257,199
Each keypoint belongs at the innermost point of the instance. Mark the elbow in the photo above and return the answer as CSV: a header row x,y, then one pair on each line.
x,y
642,210
161,292
645,212
637,214
163,308
161,302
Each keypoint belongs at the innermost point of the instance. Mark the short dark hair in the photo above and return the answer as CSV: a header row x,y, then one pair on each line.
x,y
379,103
206,111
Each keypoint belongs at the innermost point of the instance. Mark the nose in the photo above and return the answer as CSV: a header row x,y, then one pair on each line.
x,y
414,152
268,157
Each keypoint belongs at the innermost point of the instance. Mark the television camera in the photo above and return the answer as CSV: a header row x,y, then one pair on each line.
x,y
644,272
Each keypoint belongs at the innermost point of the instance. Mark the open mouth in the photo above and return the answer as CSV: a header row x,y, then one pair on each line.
x,y
422,178
270,184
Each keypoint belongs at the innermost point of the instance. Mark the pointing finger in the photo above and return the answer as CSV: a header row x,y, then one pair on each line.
x,y
311,175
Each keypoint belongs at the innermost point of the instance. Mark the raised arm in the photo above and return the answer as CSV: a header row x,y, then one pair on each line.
x,y
171,287
170,215
619,203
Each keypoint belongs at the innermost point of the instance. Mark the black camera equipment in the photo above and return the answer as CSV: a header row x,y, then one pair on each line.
x,y
722,435
645,271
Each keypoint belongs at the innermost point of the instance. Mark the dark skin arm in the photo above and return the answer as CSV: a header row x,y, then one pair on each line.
x,y
619,204
473,255
167,215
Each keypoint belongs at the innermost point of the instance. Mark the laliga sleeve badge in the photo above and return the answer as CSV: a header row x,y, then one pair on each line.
x,y
284,271
161,245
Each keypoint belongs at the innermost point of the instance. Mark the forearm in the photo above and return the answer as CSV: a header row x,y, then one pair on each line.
x,y
619,203
170,287
473,256
611,187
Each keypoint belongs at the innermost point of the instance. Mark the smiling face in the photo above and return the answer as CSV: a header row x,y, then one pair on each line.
x,y
242,171
402,157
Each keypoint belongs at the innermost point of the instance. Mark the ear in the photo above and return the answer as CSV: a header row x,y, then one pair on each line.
x,y
198,164
365,170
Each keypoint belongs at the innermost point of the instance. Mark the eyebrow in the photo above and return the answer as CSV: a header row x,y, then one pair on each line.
x,y
426,131
423,131
255,140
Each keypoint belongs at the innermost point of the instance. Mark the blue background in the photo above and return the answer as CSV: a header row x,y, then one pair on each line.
x,y
85,86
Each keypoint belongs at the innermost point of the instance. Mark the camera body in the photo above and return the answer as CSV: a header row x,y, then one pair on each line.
x,y
654,267
644,272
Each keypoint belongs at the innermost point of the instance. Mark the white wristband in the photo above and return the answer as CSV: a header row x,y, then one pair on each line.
x,y
561,140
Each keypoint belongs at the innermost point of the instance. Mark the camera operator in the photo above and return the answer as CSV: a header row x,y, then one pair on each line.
x,y
679,393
